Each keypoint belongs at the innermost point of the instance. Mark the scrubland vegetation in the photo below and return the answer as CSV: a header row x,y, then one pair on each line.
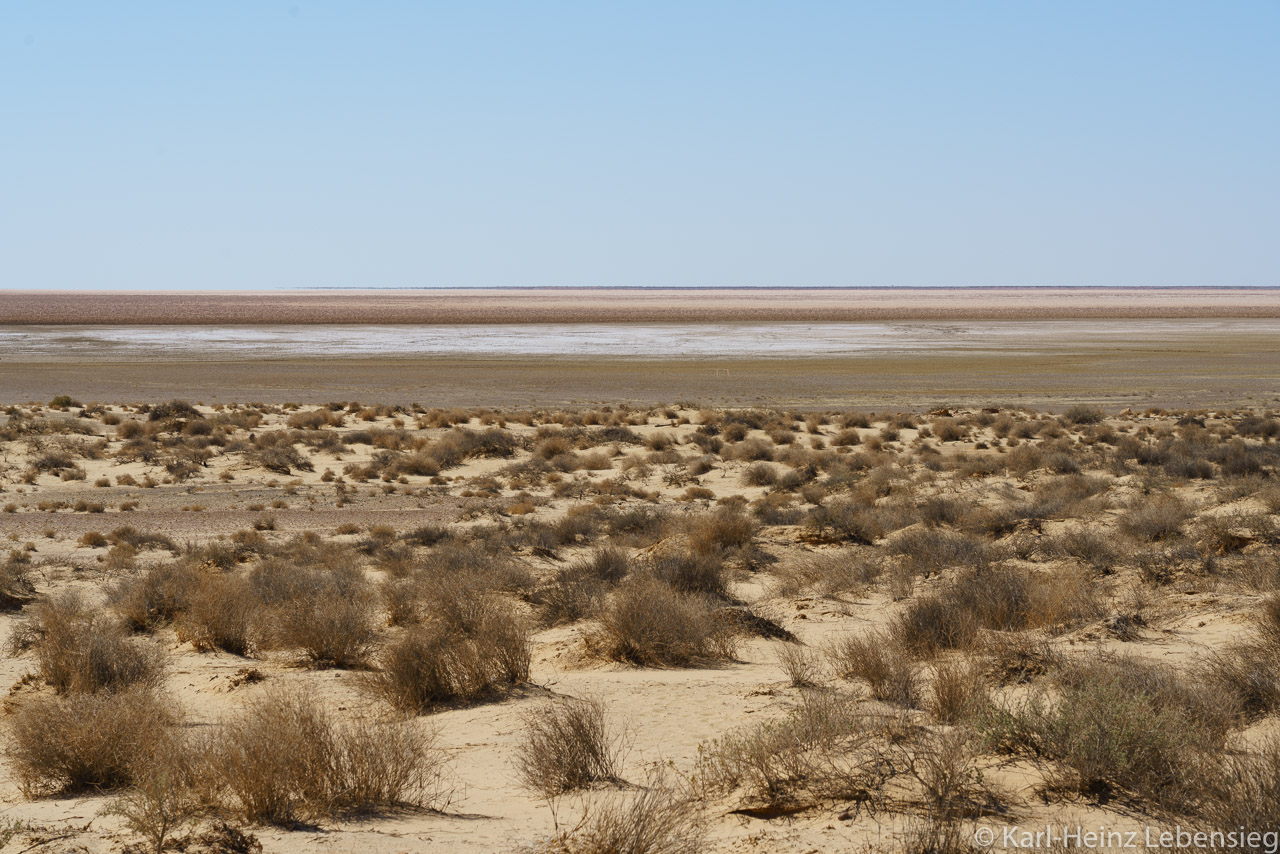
x,y
664,630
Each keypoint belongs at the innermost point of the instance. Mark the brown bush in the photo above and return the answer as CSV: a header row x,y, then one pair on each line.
x,y
846,521
284,759
692,572
825,748
1121,724
567,745
16,589
846,438
874,658
1246,671
578,590
655,818
721,531
80,650
931,550
83,741
221,613
646,622
1089,547
999,598
434,663
824,574
759,474
160,800
958,692
1159,517
327,613
314,419
934,623
156,597
281,458
1245,793
803,669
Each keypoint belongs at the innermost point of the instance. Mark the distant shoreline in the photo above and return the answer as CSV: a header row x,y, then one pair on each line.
x,y
630,305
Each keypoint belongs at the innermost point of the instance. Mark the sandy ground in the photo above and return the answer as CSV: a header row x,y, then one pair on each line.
x,y
670,714
622,305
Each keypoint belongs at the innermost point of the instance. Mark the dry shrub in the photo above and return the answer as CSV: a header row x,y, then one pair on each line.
x,y
156,597
327,613
999,598
802,668
759,474
1227,533
656,818
846,438
845,521
1269,621
648,623
721,531
1089,547
1010,599
1120,724
934,623
459,586
284,759
127,535
314,419
1245,793
692,572
1063,600
899,582
941,510
83,741
16,589
1159,517
280,458
160,800
992,521
824,574
80,650
938,834
944,765
578,590
959,691
435,663
221,613
572,595
567,745
875,659
825,748
1246,671
1081,414
931,550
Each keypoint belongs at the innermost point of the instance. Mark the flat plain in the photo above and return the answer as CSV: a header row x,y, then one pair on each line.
x,y
1035,347
880,601
632,305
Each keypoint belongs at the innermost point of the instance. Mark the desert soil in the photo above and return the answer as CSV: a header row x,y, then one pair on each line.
x,y
670,714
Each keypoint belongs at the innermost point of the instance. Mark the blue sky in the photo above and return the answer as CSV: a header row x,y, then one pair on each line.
x,y
263,145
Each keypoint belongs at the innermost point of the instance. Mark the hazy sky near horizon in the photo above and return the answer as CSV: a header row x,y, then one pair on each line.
x,y
380,144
